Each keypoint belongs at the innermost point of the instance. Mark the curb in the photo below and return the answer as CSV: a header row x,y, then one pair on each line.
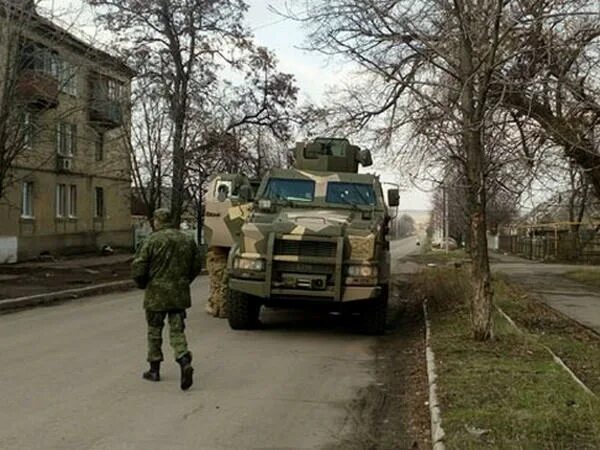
x,y
437,432
557,359
69,294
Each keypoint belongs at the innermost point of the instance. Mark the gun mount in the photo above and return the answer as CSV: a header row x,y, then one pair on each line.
x,y
330,155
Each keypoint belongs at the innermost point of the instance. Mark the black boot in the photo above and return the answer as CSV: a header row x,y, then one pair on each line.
x,y
187,371
154,373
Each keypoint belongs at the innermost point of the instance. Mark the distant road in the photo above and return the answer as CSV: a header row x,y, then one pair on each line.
x,y
403,247
70,378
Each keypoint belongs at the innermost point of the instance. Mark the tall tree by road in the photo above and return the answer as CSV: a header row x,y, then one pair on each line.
x,y
178,45
15,121
417,56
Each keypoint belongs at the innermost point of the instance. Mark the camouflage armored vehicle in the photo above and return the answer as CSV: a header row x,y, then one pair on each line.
x,y
316,234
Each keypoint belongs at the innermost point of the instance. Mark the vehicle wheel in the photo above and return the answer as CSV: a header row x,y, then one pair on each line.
x,y
374,315
243,311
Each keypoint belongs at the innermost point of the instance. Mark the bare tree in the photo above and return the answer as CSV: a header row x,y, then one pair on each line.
x,y
177,45
150,152
555,79
15,122
405,226
423,55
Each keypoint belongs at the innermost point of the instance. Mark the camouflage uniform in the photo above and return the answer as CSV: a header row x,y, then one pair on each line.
x,y
216,263
165,265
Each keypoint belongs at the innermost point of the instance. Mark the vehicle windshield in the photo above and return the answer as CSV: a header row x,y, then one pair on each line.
x,y
290,190
356,194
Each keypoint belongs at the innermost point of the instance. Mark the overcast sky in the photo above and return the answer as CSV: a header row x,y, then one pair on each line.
x,y
315,73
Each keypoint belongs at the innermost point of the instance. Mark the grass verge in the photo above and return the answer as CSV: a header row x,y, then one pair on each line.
x,y
507,393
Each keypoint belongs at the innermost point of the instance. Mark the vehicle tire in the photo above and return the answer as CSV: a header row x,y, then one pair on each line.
x,y
373,316
243,311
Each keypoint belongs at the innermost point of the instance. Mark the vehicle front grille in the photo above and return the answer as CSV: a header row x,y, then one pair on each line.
x,y
305,248
315,269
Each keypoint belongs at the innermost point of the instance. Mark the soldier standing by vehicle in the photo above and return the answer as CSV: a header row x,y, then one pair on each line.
x,y
165,265
227,202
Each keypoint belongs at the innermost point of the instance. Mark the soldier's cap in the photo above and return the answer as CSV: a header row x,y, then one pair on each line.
x,y
163,218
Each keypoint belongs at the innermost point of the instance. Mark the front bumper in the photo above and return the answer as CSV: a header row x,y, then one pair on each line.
x,y
261,290
305,267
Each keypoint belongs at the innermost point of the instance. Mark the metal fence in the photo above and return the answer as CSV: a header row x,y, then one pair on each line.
x,y
583,247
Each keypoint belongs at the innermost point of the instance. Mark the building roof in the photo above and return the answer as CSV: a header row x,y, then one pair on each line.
x,y
47,27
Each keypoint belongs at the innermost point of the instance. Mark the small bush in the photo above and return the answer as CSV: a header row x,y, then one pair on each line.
x,y
444,288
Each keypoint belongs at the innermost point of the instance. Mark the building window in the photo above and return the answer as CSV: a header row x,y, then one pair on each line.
x,y
99,147
41,59
27,200
66,138
61,200
72,201
99,209
27,131
68,78
115,89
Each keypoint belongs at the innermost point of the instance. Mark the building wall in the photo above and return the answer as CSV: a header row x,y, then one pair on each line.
x,y
45,231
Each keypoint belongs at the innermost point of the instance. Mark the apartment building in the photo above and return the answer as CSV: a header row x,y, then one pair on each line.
x,y
70,189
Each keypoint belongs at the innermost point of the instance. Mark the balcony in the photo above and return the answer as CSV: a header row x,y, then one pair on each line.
x,y
38,89
105,114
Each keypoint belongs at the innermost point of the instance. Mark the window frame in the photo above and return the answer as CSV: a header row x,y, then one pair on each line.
x,y
99,148
68,78
331,184
27,211
27,130
61,201
72,201
66,139
266,193
99,203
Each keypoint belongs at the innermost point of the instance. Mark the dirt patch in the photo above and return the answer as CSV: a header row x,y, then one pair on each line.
x,y
392,414
25,280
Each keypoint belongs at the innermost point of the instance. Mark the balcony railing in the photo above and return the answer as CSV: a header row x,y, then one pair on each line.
x,y
38,89
105,114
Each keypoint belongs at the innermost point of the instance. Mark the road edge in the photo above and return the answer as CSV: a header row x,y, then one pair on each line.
x,y
14,304
437,432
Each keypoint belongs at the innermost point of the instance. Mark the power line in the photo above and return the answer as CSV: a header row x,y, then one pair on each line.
x,y
270,24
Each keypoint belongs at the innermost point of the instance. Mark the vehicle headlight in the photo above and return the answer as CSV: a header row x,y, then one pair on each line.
x,y
264,204
257,265
362,271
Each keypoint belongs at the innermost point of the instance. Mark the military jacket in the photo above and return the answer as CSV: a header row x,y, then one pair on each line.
x,y
165,265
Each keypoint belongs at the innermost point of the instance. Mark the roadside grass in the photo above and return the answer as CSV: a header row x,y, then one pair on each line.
x,y
507,393
588,277
428,256
573,343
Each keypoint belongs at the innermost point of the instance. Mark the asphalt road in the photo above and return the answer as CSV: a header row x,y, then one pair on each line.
x,y
70,378
545,281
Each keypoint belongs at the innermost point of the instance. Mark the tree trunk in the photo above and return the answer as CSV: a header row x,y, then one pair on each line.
x,y
481,302
178,180
472,138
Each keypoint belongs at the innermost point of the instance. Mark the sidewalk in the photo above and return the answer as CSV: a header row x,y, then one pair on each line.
x,y
44,277
547,282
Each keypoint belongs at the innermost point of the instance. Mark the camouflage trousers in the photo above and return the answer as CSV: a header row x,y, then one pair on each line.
x,y
156,322
216,264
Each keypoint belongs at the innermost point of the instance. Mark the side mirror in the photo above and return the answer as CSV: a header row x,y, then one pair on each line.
x,y
245,193
393,197
365,159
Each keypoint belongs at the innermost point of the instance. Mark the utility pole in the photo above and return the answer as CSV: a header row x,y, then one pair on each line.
x,y
446,221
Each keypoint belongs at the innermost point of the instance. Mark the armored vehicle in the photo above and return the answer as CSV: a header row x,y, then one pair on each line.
x,y
315,234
